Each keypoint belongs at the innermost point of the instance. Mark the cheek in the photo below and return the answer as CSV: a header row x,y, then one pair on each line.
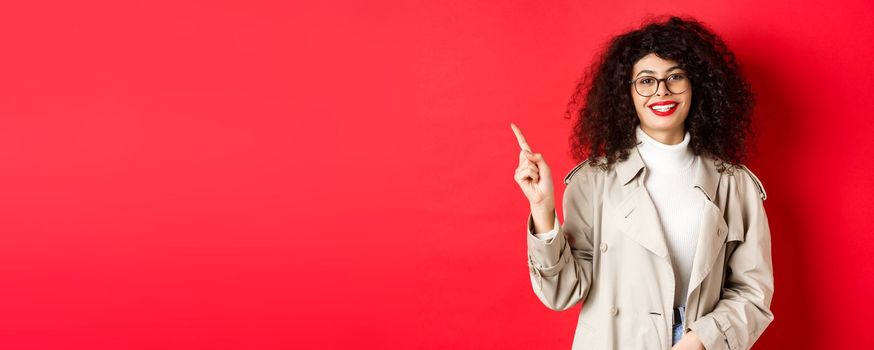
x,y
639,102
687,102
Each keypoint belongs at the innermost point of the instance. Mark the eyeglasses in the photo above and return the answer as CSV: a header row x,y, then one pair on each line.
x,y
646,86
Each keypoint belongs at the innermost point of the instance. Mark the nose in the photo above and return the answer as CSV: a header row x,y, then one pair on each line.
x,y
662,88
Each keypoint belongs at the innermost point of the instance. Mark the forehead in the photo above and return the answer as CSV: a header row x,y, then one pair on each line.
x,y
654,63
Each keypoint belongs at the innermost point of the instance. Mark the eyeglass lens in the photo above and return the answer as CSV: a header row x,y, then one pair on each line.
x,y
676,84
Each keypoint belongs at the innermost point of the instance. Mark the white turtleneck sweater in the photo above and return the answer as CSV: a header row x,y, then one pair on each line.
x,y
669,171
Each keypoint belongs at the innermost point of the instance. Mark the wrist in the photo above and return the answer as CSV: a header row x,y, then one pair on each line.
x,y
542,209
543,219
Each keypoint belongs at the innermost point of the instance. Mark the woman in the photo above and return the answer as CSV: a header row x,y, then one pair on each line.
x,y
665,239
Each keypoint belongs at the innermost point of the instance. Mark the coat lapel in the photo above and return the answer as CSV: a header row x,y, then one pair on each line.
x,y
639,219
714,229
640,222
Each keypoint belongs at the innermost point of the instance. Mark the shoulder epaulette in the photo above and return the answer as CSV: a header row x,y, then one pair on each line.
x,y
756,180
567,178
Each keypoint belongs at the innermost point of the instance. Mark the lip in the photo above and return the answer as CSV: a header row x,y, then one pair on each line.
x,y
661,103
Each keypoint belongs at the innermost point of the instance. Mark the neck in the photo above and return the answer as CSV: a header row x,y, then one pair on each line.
x,y
670,137
663,157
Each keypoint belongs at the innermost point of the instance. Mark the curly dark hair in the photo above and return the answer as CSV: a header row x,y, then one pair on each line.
x,y
719,120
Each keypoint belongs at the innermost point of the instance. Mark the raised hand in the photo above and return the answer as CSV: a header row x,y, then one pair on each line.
x,y
534,177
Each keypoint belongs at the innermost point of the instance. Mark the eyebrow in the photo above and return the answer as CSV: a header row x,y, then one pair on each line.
x,y
651,72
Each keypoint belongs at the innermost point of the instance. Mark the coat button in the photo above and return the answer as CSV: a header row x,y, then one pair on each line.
x,y
603,247
614,311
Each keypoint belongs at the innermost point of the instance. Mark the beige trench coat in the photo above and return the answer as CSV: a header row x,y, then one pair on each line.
x,y
611,254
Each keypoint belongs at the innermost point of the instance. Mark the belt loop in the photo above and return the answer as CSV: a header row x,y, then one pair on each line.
x,y
683,315
679,315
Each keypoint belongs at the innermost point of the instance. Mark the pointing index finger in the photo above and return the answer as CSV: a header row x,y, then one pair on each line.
x,y
522,142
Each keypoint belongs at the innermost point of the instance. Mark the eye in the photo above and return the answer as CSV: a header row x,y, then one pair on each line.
x,y
646,81
677,76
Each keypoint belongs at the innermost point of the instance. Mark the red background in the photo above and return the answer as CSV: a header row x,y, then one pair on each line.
x,y
252,175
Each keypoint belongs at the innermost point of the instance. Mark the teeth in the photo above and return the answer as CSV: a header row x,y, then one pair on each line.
x,y
664,108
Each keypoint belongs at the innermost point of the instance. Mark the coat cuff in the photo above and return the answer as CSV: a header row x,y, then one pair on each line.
x,y
545,254
711,333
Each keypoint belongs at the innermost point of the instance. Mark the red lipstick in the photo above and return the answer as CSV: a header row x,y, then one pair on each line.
x,y
663,110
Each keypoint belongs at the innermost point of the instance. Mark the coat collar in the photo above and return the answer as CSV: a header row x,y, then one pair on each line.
x,y
706,176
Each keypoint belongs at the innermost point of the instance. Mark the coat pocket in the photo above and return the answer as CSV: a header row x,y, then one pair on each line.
x,y
588,337
654,340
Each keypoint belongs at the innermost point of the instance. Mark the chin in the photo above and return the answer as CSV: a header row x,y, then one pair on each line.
x,y
663,123
660,123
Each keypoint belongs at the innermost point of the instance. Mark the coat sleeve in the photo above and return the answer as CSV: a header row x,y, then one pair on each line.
x,y
561,266
744,310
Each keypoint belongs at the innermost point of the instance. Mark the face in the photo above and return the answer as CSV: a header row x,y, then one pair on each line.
x,y
666,123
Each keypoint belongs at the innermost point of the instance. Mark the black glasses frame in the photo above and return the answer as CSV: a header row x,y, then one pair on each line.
x,y
633,82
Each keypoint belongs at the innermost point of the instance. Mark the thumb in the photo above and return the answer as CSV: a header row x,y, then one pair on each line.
x,y
536,158
523,155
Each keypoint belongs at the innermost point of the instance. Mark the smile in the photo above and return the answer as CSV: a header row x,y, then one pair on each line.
x,y
664,109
